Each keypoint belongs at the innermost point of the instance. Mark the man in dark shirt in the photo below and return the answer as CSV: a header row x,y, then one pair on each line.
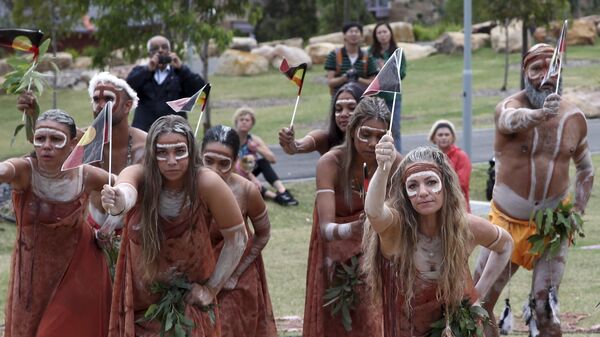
x,y
164,79
350,64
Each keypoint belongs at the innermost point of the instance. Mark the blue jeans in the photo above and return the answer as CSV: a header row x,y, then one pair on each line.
x,y
396,122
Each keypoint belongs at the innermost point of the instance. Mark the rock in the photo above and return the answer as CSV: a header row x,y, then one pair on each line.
x,y
515,41
116,58
265,50
335,38
415,51
243,43
582,32
293,55
586,99
4,68
483,27
240,63
297,42
453,42
318,52
82,62
62,60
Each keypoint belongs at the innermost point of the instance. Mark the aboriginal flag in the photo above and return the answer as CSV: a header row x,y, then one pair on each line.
x,y
388,79
188,103
26,40
295,74
89,148
557,56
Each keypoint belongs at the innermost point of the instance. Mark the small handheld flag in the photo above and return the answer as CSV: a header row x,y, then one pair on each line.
x,y
187,104
555,67
26,40
89,148
296,75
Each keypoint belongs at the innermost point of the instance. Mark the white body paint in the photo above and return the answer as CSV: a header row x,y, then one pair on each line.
x,y
170,203
57,189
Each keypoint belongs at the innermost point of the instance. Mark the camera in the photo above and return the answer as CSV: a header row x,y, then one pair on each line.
x,y
164,59
352,75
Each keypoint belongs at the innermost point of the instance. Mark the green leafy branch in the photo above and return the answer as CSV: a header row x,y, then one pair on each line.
x,y
466,321
170,309
342,295
553,226
111,253
25,77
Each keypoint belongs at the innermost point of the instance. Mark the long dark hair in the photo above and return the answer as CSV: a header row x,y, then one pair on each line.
x,y
335,136
223,135
150,230
376,47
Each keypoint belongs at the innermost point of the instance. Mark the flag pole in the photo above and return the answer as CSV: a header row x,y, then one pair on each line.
x,y
198,124
392,113
110,142
294,114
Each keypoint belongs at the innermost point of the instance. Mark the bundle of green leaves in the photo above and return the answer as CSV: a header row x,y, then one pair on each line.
x,y
466,321
25,77
342,295
553,226
170,309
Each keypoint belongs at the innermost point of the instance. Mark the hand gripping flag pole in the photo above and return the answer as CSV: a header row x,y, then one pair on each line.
x,y
388,80
187,104
296,75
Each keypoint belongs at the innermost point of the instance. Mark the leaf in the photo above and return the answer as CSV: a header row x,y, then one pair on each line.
x,y
179,332
169,321
539,220
346,319
549,216
151,310
43,48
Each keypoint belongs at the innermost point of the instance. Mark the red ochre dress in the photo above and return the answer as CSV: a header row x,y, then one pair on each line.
x,y
59,284
185,250
322,256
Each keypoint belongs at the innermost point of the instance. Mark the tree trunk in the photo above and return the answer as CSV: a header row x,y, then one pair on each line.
x,y
523,49
506,54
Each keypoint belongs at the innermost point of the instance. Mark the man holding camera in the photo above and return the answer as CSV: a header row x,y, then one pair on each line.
x,y
164,79
350,63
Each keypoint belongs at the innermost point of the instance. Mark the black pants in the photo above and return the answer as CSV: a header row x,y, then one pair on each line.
x,y
263,166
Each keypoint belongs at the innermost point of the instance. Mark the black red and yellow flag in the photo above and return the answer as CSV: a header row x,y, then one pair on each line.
x,y
26,40
295,74
89,148
188,103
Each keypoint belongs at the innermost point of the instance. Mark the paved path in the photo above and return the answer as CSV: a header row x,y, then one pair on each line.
x,y
303,166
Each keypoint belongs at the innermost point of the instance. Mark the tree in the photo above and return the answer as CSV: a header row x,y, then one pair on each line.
x,y
332,13
287,18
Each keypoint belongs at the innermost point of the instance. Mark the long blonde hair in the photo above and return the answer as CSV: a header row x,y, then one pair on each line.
x,y
151,232
454,233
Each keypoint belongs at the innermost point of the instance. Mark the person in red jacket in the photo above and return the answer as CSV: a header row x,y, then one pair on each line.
x,y
443,134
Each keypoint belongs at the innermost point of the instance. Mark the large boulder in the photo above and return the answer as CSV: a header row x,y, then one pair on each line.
x,y
483,27
297,42
241,63
586,99
515,39
402,31
318,52
243,43
293,55
265,51
82,62
63,60
582,32
413,51
335,38
454,42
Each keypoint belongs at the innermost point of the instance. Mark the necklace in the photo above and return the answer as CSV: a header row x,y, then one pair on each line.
x,y
428,257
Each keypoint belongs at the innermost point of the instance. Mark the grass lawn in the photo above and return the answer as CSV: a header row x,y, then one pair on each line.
x,y
286,257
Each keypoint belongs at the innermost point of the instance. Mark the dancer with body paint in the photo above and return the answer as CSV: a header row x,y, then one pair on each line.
x,y
419,240
343,104
537,135
337,227
166,236
244,302
127,143
59,283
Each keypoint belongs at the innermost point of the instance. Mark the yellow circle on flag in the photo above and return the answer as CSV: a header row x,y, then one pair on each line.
x,y
88,136
21,43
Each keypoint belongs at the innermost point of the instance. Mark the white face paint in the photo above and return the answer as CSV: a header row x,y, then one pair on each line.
x,y
365,132
345,101
217,162
58,139
431,179
163,151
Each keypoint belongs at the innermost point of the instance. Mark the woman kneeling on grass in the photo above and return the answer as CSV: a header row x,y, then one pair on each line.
x,y
337,231
166,254
244,302
59,283
418,245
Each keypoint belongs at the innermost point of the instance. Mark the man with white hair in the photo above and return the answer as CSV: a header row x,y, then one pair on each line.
x,y
165,78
